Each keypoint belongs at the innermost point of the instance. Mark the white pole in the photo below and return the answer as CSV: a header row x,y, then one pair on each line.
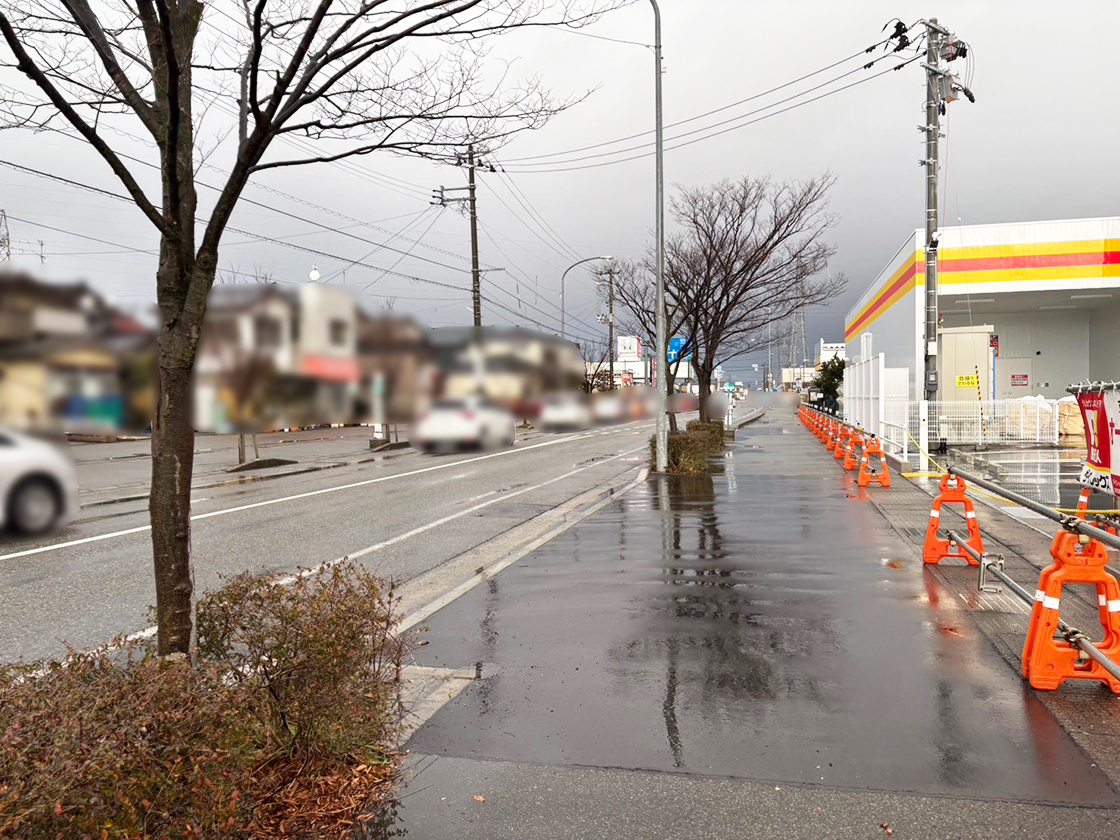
x,y
662,445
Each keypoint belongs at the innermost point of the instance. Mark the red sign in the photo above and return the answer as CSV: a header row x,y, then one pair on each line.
x,y
1020,379
993,342
1100,411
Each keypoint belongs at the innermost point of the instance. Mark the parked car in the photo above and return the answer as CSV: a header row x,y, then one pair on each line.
x,y
607,407
38,485
680,403
464,421
565,412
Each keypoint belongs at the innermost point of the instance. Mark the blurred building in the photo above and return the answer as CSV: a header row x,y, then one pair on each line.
x,y
397,365
68,360
273,357
511,365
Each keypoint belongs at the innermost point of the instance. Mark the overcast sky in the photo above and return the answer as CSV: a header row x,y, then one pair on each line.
x,y
1039,143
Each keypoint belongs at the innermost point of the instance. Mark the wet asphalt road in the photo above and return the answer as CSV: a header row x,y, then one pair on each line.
x,y
411,512
759,624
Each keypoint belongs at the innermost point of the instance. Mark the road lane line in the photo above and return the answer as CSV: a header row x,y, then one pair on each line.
x,y
309,494
148,632
143,528
362,552
442,601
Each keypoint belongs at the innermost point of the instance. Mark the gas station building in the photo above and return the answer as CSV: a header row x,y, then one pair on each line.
x,y
1026,309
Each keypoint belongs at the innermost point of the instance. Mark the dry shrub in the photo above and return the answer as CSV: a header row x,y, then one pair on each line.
x,y
320,651
713,430
286,721
688,452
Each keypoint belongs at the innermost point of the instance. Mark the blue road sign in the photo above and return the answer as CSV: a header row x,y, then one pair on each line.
x,y
675,347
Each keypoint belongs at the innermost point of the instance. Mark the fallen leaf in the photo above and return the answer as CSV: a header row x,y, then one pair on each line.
x,y
478,798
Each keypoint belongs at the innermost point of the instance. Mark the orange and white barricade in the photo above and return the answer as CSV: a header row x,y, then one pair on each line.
x,y
1048,662
953,490
867,473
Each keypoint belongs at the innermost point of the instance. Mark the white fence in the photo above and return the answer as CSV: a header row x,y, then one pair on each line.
x,y
876,399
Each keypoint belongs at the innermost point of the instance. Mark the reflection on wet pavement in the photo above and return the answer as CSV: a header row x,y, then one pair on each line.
x,y
763,622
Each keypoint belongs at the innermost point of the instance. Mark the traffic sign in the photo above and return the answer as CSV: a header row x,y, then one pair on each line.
x,y
675,347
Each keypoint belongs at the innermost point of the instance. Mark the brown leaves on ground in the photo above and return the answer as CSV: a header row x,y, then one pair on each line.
x,y
325,800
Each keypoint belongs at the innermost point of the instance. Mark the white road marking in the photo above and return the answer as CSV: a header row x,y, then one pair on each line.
x,y
442,601
143,528
362,552
148,632
239,508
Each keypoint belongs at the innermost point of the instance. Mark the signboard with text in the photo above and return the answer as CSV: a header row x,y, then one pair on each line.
x,y
968,381
1100,410
629,348
676,345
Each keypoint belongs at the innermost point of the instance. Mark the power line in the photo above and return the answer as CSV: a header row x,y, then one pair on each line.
x,y
528,205
521,218
725,130
525,277
703,115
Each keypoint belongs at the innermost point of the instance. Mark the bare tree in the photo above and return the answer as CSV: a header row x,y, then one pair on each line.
x,y
636,293
753,254
359,75
749,254
596,355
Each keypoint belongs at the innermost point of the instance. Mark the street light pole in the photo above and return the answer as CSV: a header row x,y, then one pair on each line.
x,y
662,445
563,310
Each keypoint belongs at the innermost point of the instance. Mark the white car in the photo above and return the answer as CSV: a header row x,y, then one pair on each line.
x,y
607,408
565,412
463,421
38,485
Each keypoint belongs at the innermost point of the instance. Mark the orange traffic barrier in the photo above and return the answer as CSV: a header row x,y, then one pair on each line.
x,y
1083,504
833,431
855,440
842,442
867,475
822,429
1048,662
952,490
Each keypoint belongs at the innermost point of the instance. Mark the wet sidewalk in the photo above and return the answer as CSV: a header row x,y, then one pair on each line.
x,y
754,653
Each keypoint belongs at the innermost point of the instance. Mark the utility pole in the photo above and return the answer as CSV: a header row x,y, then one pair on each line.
x,y
476,284
440,198
933,136
5,238
941,87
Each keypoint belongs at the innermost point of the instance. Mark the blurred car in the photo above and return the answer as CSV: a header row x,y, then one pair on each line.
x,y
607,408
681,403
565,412
464,421
38,485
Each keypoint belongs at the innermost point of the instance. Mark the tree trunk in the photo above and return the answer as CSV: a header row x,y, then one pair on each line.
x,y
704,380
170,501
670,380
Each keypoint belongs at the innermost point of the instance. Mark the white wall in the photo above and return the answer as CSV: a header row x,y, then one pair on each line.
x,y
1104,342
1056,341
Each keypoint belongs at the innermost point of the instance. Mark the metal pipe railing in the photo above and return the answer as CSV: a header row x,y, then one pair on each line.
x,y
1066,520
1072,634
